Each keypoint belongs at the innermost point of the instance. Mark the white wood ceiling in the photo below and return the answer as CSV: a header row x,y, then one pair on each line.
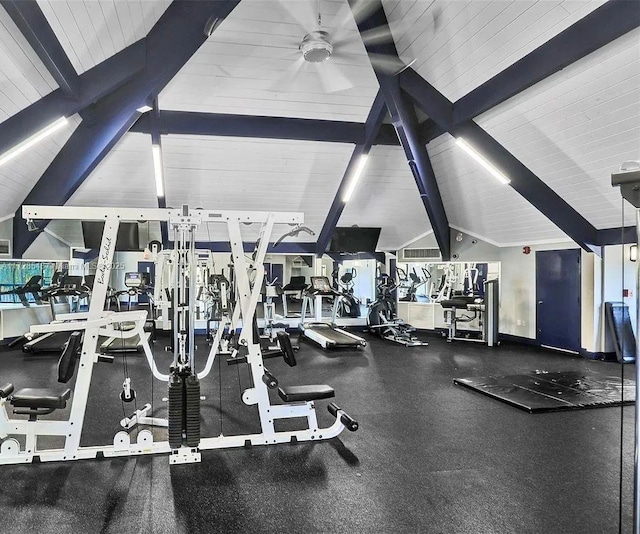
x,y
19,175
458,45
254,174
576,127
387,197
125,178
23,78
92,31
478,204
246,66
572,129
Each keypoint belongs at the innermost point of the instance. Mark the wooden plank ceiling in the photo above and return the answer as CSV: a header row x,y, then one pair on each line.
x,y
572,129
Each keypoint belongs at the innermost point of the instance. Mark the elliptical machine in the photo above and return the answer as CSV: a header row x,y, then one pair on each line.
x,y
348,305
382,321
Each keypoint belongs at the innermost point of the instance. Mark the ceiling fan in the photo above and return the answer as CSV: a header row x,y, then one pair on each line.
x,y
322,44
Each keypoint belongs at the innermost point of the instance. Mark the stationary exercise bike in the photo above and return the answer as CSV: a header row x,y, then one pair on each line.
x,y
348,305
382,320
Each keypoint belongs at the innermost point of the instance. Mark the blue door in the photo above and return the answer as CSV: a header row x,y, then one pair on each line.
x,y
558,298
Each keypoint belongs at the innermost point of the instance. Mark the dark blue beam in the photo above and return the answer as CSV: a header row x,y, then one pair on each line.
x,y
30,20
617,236
598,28
230,125
372,126
523,180
94,84
170,43
408,130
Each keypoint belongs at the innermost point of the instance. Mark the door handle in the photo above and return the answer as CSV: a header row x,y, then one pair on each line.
x,y
539,302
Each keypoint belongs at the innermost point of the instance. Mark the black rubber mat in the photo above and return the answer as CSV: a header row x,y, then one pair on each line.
x,y
541,391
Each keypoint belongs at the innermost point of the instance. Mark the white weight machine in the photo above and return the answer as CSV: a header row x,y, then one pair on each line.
x,y
184,442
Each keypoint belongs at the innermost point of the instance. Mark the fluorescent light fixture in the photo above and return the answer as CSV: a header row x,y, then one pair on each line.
x,y
157,167
480,159
28,143
356,176
144,109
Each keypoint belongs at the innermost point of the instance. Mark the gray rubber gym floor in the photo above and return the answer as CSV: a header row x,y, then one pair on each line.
x,y
430,457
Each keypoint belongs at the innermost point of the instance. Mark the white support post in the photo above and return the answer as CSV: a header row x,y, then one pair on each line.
x,y
89,353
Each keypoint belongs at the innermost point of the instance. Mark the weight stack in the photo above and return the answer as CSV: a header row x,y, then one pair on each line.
x,y
192,410
175,410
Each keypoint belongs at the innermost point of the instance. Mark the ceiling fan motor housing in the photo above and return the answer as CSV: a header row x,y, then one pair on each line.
x,y
316,47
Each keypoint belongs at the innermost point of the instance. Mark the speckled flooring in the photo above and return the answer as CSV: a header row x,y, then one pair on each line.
x,y
430,457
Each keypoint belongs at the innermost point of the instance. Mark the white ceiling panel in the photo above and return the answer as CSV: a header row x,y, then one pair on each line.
x,y
124,178
457,46
387,197
19,175
250,66
477,203
253,174
90,32
23,77
576,127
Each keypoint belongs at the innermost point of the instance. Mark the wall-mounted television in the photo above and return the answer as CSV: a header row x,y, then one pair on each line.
x,y
354,239
127,240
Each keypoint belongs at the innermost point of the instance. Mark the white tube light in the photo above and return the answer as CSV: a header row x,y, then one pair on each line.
x,y
356,176
28,143
482,161
157,167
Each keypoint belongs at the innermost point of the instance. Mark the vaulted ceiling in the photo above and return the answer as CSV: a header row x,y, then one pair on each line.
x,y
571,129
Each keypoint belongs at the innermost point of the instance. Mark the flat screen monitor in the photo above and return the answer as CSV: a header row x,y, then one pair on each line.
x,y
321,284
127,236
354,239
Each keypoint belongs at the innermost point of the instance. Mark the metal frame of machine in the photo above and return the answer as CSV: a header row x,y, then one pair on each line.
x,y
98,322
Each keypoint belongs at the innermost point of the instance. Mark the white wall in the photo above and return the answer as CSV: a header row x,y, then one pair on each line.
x,y
47,247
465,247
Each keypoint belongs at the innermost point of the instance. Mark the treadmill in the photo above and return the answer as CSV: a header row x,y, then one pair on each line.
x,y
327,335
64,297
137,284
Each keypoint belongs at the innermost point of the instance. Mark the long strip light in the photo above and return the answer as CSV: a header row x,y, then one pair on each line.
x,y
355,177
29,142
157,167
482,161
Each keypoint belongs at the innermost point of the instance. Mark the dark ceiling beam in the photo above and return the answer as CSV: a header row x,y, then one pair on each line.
x,y
617,236
30,20
230,125
523,180
94,84
176,36
408,130
371,128
599,28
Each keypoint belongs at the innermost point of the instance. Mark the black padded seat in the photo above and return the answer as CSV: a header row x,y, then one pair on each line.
x,y
305,393
40,398
457,302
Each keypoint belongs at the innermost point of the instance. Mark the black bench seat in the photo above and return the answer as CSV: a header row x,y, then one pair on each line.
x,y
305,393
49,399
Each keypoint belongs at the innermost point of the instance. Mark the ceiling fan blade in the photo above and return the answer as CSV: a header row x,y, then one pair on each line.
x,y
391,65
302,12
332,78
283,83
379,35
361,9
